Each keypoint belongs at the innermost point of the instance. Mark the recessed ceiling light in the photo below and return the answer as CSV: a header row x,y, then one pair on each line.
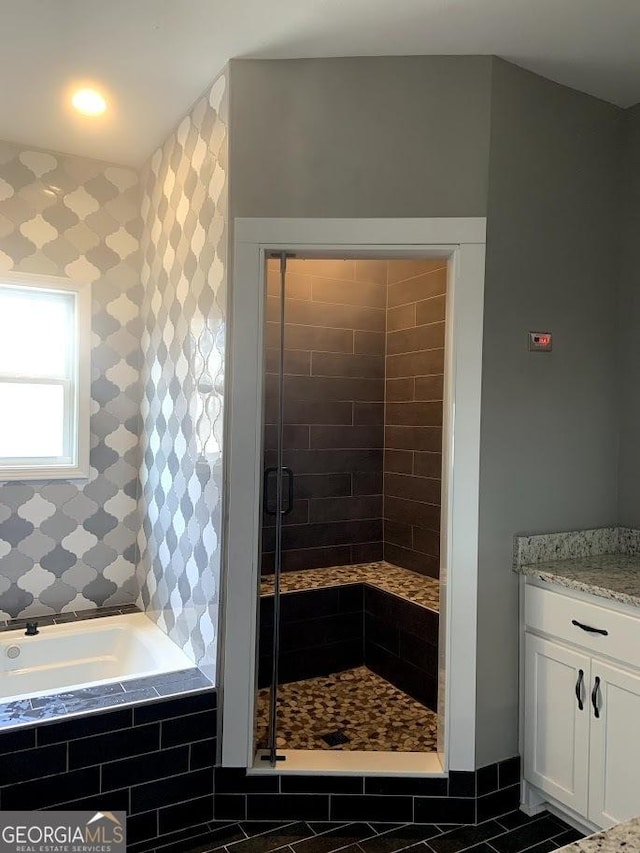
x,y
89,102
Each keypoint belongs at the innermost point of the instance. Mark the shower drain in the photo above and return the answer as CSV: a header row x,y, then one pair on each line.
x,y
335,738
13,652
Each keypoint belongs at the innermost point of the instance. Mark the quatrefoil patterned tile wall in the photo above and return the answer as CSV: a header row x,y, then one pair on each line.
x,y
72,545
184,208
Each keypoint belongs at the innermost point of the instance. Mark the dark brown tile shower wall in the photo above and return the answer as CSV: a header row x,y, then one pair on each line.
x,y
334,409
413,424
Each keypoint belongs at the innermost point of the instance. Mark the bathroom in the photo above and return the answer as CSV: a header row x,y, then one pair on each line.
x,y
421,215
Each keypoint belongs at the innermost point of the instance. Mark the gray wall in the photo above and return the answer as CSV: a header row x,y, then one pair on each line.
x,y
474,136
549,425
629,303
383,136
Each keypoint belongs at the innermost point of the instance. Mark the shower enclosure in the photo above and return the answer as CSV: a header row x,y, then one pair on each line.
x,y
360,610
354,366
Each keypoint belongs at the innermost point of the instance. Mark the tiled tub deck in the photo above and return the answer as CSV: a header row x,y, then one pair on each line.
x,y
68,703
145,745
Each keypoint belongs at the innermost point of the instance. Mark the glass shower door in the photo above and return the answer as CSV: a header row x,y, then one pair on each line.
x,y
277,493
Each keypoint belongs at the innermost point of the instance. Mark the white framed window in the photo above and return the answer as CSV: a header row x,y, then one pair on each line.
x,y
45,353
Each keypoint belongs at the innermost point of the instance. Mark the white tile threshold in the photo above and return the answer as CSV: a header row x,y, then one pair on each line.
x,y
351,763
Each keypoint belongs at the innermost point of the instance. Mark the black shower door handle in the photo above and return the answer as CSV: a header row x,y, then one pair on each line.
x,y
267,480
290,479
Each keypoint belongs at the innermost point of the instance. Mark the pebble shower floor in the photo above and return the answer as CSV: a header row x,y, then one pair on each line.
x,y
355,704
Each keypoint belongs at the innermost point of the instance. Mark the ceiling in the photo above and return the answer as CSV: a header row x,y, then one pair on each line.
x,y
154,57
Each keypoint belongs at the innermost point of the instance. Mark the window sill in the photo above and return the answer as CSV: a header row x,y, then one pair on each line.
x,y
44,472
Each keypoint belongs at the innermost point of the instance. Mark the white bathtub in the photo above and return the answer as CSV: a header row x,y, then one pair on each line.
x,y
86,653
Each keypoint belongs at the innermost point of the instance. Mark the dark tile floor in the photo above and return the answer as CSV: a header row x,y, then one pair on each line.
x,y
511,833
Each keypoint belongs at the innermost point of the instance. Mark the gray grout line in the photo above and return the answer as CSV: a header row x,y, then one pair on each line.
x,y
558,834
373,835
162,847
259,834
530,823
532,820
409,843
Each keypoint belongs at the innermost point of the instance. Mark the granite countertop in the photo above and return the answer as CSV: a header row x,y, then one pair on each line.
x,y
624,836
612,576
411,586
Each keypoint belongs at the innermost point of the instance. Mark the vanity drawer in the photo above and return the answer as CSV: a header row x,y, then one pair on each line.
x,y
556,614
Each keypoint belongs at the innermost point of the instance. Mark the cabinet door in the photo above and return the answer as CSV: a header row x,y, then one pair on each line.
x,y
556,737
614,777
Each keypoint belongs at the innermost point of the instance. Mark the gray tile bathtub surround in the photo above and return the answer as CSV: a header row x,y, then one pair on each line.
x,y
72,545
26,712
184,208
612,576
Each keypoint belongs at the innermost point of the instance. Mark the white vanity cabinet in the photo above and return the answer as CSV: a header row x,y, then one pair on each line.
x,y
614,747
556,753
581,704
